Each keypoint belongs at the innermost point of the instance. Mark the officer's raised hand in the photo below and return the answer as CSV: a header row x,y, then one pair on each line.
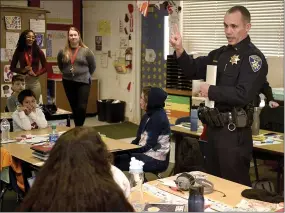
x,y
176,41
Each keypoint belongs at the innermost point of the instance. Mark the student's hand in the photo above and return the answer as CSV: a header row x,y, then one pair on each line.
x,y
31,73
273,104
25,109
176,41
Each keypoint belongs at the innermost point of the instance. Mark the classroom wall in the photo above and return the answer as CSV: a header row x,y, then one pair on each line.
x,y
112,84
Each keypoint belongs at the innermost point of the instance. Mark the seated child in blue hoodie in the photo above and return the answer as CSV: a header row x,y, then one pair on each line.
x,y
153,134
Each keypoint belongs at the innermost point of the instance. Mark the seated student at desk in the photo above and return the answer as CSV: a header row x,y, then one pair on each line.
x,y
78,176
28,116
18,84
153,134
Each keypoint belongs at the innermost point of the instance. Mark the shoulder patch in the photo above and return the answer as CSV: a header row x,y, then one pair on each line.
x,y
255,62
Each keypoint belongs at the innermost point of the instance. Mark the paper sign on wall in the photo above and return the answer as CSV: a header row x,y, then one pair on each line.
x,y
98,43
40,39
104,27
6,90
124,42
8,74
13,22
55,42
38,26
7,54
12,40
56,70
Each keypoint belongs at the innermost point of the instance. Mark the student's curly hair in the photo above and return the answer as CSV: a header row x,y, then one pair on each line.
x,y
77,177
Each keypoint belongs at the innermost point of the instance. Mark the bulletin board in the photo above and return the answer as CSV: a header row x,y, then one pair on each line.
x,y
56,41
14,20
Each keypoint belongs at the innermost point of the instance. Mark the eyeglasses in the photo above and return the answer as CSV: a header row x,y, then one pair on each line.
x,y
32,38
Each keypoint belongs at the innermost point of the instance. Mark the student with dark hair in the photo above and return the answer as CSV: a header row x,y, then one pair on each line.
x,y
153,134
77,64
77,177
30,56
18,84
28,116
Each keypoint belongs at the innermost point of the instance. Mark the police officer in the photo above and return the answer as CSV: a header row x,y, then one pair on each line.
x,y
241,72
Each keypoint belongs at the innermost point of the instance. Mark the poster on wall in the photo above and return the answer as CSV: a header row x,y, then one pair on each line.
x,y
13,22
7,54
124,42
55,42
98,43
6,90
104,27
57,14
8,74
38,26
12,40
40,39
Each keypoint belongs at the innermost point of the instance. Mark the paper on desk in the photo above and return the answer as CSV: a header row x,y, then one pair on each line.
x,y
260,143
36,139
256,206
167,182
211,77
39,163
7,141
163,195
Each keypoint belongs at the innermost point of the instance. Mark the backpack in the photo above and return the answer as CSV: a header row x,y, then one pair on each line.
x,y
189,156
48,109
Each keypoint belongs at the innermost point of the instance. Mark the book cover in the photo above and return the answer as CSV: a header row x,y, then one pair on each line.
x,y
43,148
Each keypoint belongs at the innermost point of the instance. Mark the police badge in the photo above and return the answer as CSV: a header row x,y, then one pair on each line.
x,y
255,62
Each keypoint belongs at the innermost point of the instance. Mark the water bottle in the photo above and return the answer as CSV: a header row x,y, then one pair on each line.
x,y
136,182
53,136
194,120
196,199
256,121
5,129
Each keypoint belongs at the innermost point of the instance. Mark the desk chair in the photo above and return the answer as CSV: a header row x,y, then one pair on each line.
x,y
6,109
9,182
190,157
158,173
272,119
182,119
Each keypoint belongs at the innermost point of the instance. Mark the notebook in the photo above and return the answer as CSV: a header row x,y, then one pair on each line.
x,y
43,148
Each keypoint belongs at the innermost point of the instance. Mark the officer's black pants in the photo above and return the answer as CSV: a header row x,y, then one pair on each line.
x,y
228,154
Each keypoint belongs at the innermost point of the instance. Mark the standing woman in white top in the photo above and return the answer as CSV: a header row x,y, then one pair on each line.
x,y
77,64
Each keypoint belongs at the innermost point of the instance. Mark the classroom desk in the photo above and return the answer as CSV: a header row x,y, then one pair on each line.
x,y
60,114
24,153
231,189
269,152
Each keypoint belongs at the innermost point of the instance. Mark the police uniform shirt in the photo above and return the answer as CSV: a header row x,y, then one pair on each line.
x,y
241,73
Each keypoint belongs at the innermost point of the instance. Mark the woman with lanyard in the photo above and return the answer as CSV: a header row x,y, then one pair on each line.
x,y
77,64
29,55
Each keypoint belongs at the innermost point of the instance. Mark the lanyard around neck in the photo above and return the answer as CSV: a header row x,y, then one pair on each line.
x,y
73,56
28,58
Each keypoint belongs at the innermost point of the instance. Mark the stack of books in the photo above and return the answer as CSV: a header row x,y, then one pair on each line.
x,y
42,151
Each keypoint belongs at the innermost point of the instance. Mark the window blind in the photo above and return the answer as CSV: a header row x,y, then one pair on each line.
x,y
203,29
